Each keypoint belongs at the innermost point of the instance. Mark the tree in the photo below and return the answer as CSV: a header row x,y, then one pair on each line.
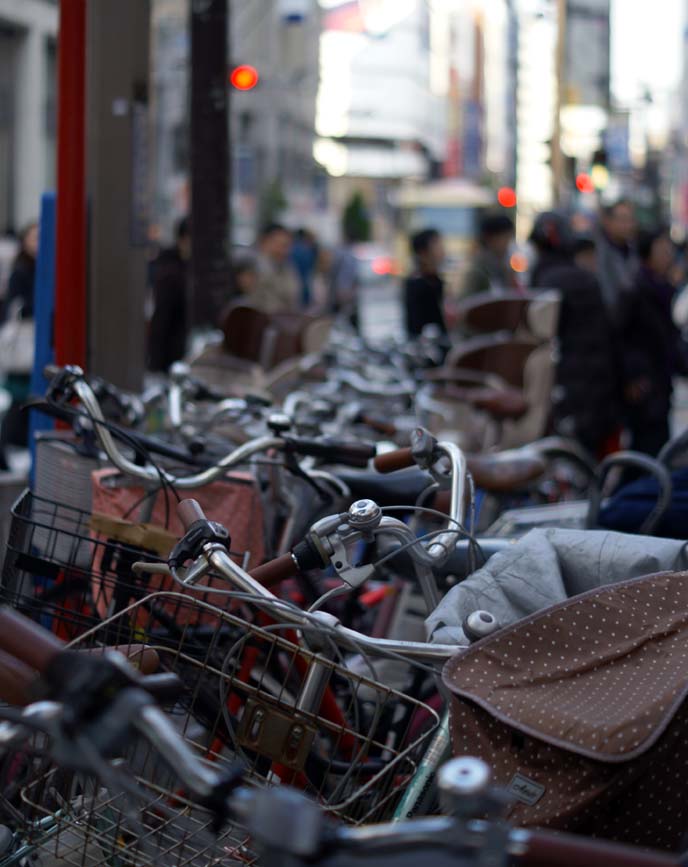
x,y
355,220
272,203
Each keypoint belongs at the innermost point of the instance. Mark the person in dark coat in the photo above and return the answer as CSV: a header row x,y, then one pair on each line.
x,y
19,300
424,288
617,261
489,268
20,288
586,401
552,238
169,323
653,349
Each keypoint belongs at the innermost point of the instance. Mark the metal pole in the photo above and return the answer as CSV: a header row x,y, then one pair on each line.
x,y
210,166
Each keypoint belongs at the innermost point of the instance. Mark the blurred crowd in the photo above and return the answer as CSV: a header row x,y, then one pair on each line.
x,y
618,348
284,271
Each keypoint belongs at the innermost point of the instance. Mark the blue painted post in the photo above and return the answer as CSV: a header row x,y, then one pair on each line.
x,y
44,310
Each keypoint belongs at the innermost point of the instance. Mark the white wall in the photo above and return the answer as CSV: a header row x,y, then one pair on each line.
x,y
37,22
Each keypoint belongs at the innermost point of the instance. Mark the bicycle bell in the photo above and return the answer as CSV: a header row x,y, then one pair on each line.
x,y
365,515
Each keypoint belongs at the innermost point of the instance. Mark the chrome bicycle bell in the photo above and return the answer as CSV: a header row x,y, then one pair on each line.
x,y
365,515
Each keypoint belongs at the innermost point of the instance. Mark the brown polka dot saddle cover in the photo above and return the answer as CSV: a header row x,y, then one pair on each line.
x,y
581,711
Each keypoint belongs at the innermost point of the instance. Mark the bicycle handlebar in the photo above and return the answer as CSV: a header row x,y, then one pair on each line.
x,y
16,678
347,452
26,641
273,572
357,454
390,462
544,848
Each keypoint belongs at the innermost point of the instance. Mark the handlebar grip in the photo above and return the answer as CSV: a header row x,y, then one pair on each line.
x,y
15,680
379,424
275,571
189,512
399,459
544,848
27,641
346,452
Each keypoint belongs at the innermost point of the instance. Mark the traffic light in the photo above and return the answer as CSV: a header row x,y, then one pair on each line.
x,y
584,183
506,196
599,171
244,77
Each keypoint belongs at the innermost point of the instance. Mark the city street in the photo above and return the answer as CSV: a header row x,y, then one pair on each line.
x,y
343,396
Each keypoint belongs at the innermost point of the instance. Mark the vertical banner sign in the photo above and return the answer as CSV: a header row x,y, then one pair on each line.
x,y
587,53
44,308
210,161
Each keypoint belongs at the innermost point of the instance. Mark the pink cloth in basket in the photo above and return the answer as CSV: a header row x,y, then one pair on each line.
x,y
234,502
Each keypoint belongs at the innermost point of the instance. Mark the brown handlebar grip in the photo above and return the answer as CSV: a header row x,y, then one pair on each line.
x,y
380,425
399,459
543,848
189,512
275,571
144,658
15,680
27,641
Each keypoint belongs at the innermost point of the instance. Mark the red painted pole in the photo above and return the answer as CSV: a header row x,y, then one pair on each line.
x,y
70,259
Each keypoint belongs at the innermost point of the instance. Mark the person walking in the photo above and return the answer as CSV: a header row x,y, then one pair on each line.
x,y
551,238
169,322
653,350
278,288
586,399
424,287
19,304
489,267
617,262
304,257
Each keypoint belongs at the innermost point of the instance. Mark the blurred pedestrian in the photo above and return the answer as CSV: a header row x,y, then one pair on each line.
x,y
489,267
586,399
243,279
653,349
343,280
304,257
617,261
551,238
18,305
278,282
424,287
169,323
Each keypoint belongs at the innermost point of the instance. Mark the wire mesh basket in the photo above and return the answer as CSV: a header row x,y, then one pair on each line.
x,y
353,747
80,823
69,569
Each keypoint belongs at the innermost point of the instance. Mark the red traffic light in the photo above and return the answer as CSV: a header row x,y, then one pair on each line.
x,y
584,183
244,77
506,197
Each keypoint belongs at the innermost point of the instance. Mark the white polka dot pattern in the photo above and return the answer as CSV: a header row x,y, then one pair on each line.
x,y
587,699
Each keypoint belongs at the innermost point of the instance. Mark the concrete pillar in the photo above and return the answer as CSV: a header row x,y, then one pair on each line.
x,y
117,154
29,139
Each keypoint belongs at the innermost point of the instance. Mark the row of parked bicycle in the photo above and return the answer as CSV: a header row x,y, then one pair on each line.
x,y
310,626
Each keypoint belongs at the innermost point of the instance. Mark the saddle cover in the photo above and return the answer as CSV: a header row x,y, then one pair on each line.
x,y
581,711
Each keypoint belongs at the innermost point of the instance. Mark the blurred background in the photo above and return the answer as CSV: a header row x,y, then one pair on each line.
x,y
360,118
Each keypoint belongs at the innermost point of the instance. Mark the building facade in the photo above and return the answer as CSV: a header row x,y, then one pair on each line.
x,y
28,73
271,126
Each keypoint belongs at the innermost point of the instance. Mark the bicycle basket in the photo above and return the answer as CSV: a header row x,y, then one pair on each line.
x,y
68,570
353,748
76,821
